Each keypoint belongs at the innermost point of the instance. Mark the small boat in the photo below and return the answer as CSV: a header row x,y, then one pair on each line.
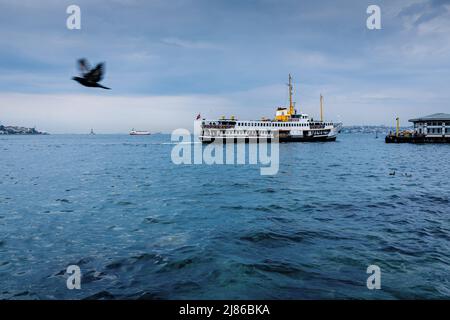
x,y
139,133
92,133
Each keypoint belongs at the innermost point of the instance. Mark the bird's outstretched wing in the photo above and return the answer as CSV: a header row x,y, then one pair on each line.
x,y
84,66
96,74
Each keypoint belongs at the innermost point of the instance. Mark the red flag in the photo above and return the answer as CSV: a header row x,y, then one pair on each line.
x,y
198,117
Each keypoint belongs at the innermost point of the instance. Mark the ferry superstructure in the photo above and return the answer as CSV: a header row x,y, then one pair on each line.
x,y
288,126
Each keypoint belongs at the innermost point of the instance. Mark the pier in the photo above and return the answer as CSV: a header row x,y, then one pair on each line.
x,y
434,128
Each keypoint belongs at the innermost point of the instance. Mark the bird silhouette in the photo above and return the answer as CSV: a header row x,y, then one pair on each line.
x,y
90,77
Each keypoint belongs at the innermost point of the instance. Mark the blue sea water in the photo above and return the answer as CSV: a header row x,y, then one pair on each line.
x,y
139,226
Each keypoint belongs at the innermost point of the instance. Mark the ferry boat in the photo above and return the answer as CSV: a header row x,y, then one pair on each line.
x,y
288,126
139,133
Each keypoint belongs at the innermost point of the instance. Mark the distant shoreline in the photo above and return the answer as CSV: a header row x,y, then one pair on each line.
x,y
350,129
14,130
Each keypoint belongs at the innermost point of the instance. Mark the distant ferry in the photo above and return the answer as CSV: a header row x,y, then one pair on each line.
x,y
288,126
139,133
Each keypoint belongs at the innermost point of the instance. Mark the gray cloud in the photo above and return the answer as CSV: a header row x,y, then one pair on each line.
x,y
233,55
426,11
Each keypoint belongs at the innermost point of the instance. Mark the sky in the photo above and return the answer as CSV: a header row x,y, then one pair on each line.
x,y
168,60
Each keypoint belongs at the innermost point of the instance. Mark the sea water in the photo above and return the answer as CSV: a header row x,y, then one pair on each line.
x,y
139,226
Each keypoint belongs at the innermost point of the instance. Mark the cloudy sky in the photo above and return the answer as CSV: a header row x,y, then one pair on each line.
x,y
168,60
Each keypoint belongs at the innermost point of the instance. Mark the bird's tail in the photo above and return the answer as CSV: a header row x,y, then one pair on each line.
x,y
103,87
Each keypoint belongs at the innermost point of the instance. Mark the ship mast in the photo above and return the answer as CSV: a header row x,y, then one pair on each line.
x,y
291,104
321,107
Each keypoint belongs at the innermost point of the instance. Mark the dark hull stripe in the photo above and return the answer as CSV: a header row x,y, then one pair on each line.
x,y
281,140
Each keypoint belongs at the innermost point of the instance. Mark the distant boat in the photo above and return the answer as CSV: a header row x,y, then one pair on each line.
x,y
92,133
139,133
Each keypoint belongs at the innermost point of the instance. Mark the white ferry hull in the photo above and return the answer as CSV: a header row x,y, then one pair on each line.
x,y
258,133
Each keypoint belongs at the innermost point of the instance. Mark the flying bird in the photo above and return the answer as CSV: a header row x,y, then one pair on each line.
x,y
90,77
